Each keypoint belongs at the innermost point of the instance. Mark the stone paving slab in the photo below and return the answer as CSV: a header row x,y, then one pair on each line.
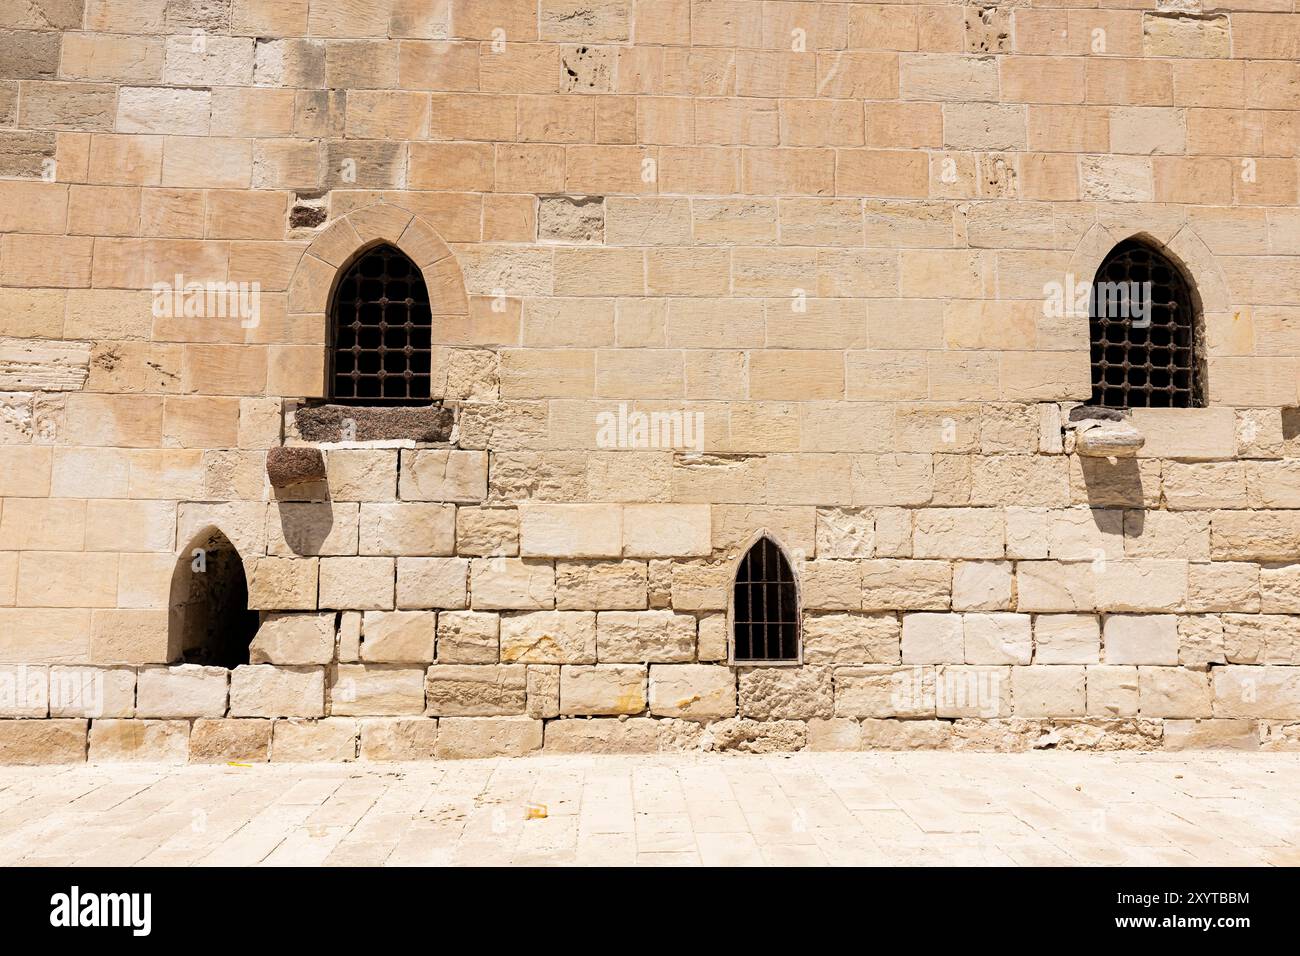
x,y
925,809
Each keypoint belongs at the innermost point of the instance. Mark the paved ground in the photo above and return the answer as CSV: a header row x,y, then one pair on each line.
x,y
874,809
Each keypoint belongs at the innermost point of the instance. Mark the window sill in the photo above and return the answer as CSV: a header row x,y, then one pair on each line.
x,y
394,425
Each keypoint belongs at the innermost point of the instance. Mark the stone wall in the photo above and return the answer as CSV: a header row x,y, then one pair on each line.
x,y
810,242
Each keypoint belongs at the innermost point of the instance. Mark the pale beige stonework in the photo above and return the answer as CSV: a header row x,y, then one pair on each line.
x,y
551,809
698,271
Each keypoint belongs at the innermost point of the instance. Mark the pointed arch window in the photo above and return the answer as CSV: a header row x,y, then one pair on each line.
x,y
765,606
382,331
1143,332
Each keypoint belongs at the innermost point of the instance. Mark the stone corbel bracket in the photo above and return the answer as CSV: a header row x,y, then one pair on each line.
x,y
300,465
1104,433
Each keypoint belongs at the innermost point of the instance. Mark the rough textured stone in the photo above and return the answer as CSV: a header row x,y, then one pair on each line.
x,y
286,467
42,741
475,690
398,738
294,639
602,689
851,639
155,741
660,637
758,736
777,693
349,423
398,637
331,739
603,736
461,737
223,741
549,637
692,691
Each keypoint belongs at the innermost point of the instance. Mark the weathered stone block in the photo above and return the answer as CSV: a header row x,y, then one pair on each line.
x,y
42,741
834,733
851,639
891,584
884,691
666,531
1173,692
1211,734
298,740
468,637
362,584
660,637
467,737
549,637
1048,691
1248,691
981,585
511,583
543,690
997,638
758,736
155,741
570,531
263,690
1067,639
959,533
905,734
473,690
600,585
92,691
602,689
692,691
185,690
362,474
1141,639
778,693
440,474
398,738
407,528
339,423
283,584
624,736
372,690
223,741
1112,690
432,582
932,639
398,637
972,691
294,639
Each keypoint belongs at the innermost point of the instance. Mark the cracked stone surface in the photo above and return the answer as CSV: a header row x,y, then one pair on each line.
x,y
1209,809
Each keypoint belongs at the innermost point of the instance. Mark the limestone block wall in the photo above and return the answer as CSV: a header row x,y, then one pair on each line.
x,y
700,270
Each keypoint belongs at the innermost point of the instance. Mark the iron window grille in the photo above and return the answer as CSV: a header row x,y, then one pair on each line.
x,y
765,606
383,330
1142,325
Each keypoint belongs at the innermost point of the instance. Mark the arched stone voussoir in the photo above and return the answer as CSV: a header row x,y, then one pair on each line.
x,y
345,238
1202,267
1184,246
381,222
337,243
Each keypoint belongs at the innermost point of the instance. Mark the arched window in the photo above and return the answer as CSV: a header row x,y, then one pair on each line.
x,y
1143,326
382,328
209,621
765,606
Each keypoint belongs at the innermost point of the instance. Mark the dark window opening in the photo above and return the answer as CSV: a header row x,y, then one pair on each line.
x,y
766,606
383,329
1142,325
209,621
